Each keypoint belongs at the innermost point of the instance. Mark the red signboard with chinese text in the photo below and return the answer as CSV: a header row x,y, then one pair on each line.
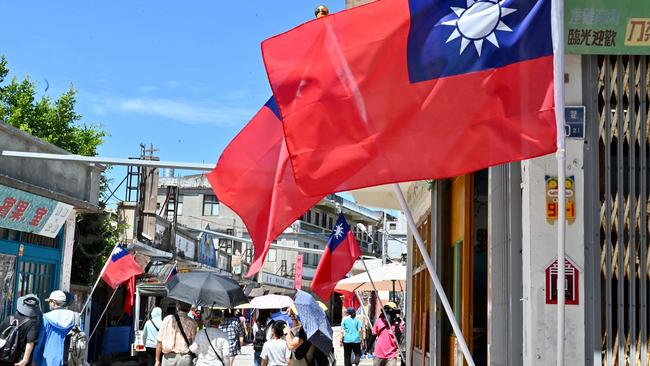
x,y
298,277
572,282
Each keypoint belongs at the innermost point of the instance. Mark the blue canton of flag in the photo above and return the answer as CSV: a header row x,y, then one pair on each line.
x,y
454,37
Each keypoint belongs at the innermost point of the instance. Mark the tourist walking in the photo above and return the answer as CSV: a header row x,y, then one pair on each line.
x,y
20,332
176,334
275,351
351,339
55,326
150,334
231,325
211,344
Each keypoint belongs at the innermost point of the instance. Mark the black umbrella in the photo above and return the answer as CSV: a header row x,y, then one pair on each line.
x,y
204,288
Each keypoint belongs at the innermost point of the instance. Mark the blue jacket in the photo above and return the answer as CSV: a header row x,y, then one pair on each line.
x,y
54,328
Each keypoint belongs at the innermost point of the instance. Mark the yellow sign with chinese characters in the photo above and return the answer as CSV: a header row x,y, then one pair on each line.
x,y
552,201
638,32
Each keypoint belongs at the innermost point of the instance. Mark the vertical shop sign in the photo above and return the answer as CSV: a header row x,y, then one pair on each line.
x,y
298,277
551,199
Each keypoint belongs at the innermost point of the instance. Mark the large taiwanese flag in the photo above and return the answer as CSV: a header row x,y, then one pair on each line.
x,y
414,89
254,178
340,253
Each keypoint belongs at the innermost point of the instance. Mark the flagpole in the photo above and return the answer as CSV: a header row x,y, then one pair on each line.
x,y
381,304
434,277
90,294
557,31
103,312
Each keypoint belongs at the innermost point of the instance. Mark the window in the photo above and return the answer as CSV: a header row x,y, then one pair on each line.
x,y
307,216
392,226
170,207
324,221
330,223
307,256
210,205
272,256
317,218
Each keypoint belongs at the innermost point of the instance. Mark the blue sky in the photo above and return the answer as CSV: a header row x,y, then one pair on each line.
x,y
185,76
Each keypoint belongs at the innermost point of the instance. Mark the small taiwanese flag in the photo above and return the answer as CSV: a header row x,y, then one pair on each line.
x,y
121,267
339,256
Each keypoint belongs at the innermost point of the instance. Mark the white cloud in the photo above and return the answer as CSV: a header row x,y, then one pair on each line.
x,y
181,111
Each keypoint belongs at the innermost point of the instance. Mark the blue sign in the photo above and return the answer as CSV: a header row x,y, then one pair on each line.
x,y
574,122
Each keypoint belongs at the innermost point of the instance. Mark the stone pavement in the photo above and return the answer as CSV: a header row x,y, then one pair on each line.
x,y
246,357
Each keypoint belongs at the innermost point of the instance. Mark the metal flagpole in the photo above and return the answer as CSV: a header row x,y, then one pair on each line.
x,y
103,312
557,31
432,273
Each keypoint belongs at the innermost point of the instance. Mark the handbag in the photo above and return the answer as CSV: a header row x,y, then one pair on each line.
x,y
180,327
211,346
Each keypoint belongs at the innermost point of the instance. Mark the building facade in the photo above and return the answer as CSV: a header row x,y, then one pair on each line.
x,y
38,205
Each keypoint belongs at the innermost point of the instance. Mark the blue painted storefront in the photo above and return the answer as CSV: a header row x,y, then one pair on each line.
x,y
37,268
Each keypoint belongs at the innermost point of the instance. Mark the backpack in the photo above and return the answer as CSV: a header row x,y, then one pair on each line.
x,y
260,337
75,345
10,347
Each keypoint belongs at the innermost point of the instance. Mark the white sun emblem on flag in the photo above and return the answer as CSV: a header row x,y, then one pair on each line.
x,y
338,231
478,21
117,250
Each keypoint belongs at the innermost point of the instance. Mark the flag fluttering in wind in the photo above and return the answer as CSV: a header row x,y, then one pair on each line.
x,y
338,258
414,89
255,179
120,268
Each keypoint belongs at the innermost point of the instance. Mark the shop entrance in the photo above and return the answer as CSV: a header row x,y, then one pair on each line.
x,y
465,265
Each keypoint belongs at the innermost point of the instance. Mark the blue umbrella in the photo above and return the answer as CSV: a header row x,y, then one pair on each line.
x,y
314,322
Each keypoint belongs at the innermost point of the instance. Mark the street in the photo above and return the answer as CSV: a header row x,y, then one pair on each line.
x,y
246,357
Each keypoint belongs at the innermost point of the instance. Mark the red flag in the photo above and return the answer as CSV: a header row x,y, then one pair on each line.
x,y
129,297
255,179
339,256
121,267
350,300
414,89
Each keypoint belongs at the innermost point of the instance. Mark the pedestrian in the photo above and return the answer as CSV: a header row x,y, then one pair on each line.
x,y
20,332
262,332
211,344
304,352
55,326
176,334
150,334
231,325
385,353
351,338
275,351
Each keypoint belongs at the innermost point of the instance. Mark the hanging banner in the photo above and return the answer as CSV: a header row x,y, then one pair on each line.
x,y
31,213
606,27
298,276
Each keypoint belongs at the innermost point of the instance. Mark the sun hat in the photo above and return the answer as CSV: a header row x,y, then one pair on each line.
x,y
28,305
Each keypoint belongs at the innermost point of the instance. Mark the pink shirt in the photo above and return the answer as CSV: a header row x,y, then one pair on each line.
x,y
385,346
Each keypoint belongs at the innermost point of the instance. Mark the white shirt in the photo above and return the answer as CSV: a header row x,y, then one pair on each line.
x,y
201,347
276,352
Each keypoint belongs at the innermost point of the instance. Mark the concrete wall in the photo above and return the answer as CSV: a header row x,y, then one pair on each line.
x,y
539,248
74,183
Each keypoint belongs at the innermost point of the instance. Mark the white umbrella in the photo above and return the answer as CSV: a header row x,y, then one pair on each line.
x,y
271,301
380,196
386,278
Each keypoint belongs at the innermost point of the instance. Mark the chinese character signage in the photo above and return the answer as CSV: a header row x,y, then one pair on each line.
x,y
298,275
551,199
30,213
571,282
607,27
